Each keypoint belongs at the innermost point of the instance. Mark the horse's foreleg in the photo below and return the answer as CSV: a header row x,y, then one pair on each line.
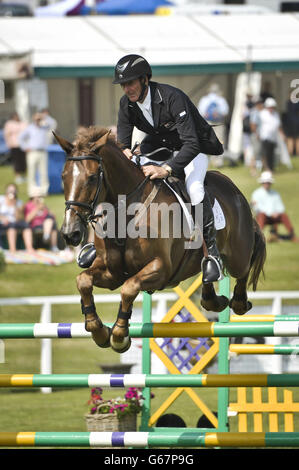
x,y
150,278
211,301
100,333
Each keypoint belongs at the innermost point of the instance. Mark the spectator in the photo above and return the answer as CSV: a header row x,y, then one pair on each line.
x,y
11,219
214,108
270,126
266,91
248,148
11,131
51,123
269,208
40,219
291,128
34,140
255,123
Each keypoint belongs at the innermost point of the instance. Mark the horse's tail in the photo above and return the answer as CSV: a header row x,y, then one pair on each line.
x,y
258,257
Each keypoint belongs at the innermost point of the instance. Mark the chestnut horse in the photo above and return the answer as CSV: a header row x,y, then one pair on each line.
x,y
96,172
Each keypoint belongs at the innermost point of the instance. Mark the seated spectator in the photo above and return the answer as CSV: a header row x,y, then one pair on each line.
x,y
11,219
40,219
269,208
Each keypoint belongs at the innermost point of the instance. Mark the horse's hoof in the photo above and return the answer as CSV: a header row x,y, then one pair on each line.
x,y
240,308
97,340
216,304
106,343
120,347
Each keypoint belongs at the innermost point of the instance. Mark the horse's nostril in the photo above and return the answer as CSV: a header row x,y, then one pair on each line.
x,y
76,237
73,238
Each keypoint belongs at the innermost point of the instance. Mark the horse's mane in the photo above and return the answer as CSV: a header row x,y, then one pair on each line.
x,y
86,136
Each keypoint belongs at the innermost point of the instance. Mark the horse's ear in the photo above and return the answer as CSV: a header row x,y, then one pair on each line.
x,y
64,144
101,142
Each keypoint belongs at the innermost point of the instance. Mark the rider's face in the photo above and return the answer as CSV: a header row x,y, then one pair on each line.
x,y
132,89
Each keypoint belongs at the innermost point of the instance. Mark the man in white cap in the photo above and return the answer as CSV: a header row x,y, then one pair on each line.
x,y
269,208
270,126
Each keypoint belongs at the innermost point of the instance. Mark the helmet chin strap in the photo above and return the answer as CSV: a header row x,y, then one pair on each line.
x,y
143,89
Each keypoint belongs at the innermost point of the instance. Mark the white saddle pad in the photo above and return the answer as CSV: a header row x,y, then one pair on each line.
x,y
219,216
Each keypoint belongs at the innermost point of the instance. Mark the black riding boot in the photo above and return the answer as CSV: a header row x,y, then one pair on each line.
x,y
211,265
86,256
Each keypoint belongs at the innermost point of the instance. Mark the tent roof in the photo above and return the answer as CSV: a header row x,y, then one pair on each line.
x,y
175,44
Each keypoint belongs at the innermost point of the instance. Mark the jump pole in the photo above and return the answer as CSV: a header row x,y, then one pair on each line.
x,y
149,380
149,439
156,330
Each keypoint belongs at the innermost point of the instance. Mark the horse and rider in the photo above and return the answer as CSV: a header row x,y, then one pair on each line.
x,y
98,169
171,121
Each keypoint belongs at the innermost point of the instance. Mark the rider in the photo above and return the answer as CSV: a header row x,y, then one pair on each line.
x,y
171,120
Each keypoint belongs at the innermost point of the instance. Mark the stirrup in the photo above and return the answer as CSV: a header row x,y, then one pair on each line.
x,y
212,272
86,255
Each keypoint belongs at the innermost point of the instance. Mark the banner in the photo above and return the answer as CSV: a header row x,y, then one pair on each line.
x,y
15,66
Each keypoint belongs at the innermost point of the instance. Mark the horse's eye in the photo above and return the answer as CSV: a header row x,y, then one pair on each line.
x,y
92,179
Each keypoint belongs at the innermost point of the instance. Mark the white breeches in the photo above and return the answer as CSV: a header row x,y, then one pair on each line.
x,y
195,173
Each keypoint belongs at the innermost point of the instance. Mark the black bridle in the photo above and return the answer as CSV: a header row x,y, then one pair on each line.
x,y
92,206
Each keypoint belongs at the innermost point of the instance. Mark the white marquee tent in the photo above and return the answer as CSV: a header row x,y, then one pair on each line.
x,y
194,43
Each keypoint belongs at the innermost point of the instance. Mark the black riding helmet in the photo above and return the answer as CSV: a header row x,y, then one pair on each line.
x,y
130,67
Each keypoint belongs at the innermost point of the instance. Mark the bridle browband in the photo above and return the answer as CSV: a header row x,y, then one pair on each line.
x,y
92,206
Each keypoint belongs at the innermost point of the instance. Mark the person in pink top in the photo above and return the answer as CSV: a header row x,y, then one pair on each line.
x,y
11,131
39,218
11,219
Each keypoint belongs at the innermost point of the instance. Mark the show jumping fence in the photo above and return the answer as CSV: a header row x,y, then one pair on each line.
x,y
150,436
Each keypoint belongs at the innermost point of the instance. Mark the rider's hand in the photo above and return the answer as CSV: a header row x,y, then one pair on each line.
x,y
154,171
128,153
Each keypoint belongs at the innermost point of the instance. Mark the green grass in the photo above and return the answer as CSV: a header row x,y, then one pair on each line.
x,y
64,410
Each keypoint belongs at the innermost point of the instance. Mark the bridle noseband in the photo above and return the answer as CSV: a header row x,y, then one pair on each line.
x,y
92,206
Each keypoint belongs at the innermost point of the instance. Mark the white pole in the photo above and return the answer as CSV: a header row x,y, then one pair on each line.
x,y
46,346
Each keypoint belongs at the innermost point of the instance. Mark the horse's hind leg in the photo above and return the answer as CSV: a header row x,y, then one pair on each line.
x,y
239,302
211,301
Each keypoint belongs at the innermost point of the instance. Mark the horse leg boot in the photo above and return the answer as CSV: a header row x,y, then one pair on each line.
x,y
211,265
95,325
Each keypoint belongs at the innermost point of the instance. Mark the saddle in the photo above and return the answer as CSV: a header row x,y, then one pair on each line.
x,y
178,185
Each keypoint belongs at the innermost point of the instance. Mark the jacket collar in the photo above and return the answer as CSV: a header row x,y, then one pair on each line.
x,y
156,102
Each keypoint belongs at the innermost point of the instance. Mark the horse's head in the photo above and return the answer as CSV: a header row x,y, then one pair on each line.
x,y
83,181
